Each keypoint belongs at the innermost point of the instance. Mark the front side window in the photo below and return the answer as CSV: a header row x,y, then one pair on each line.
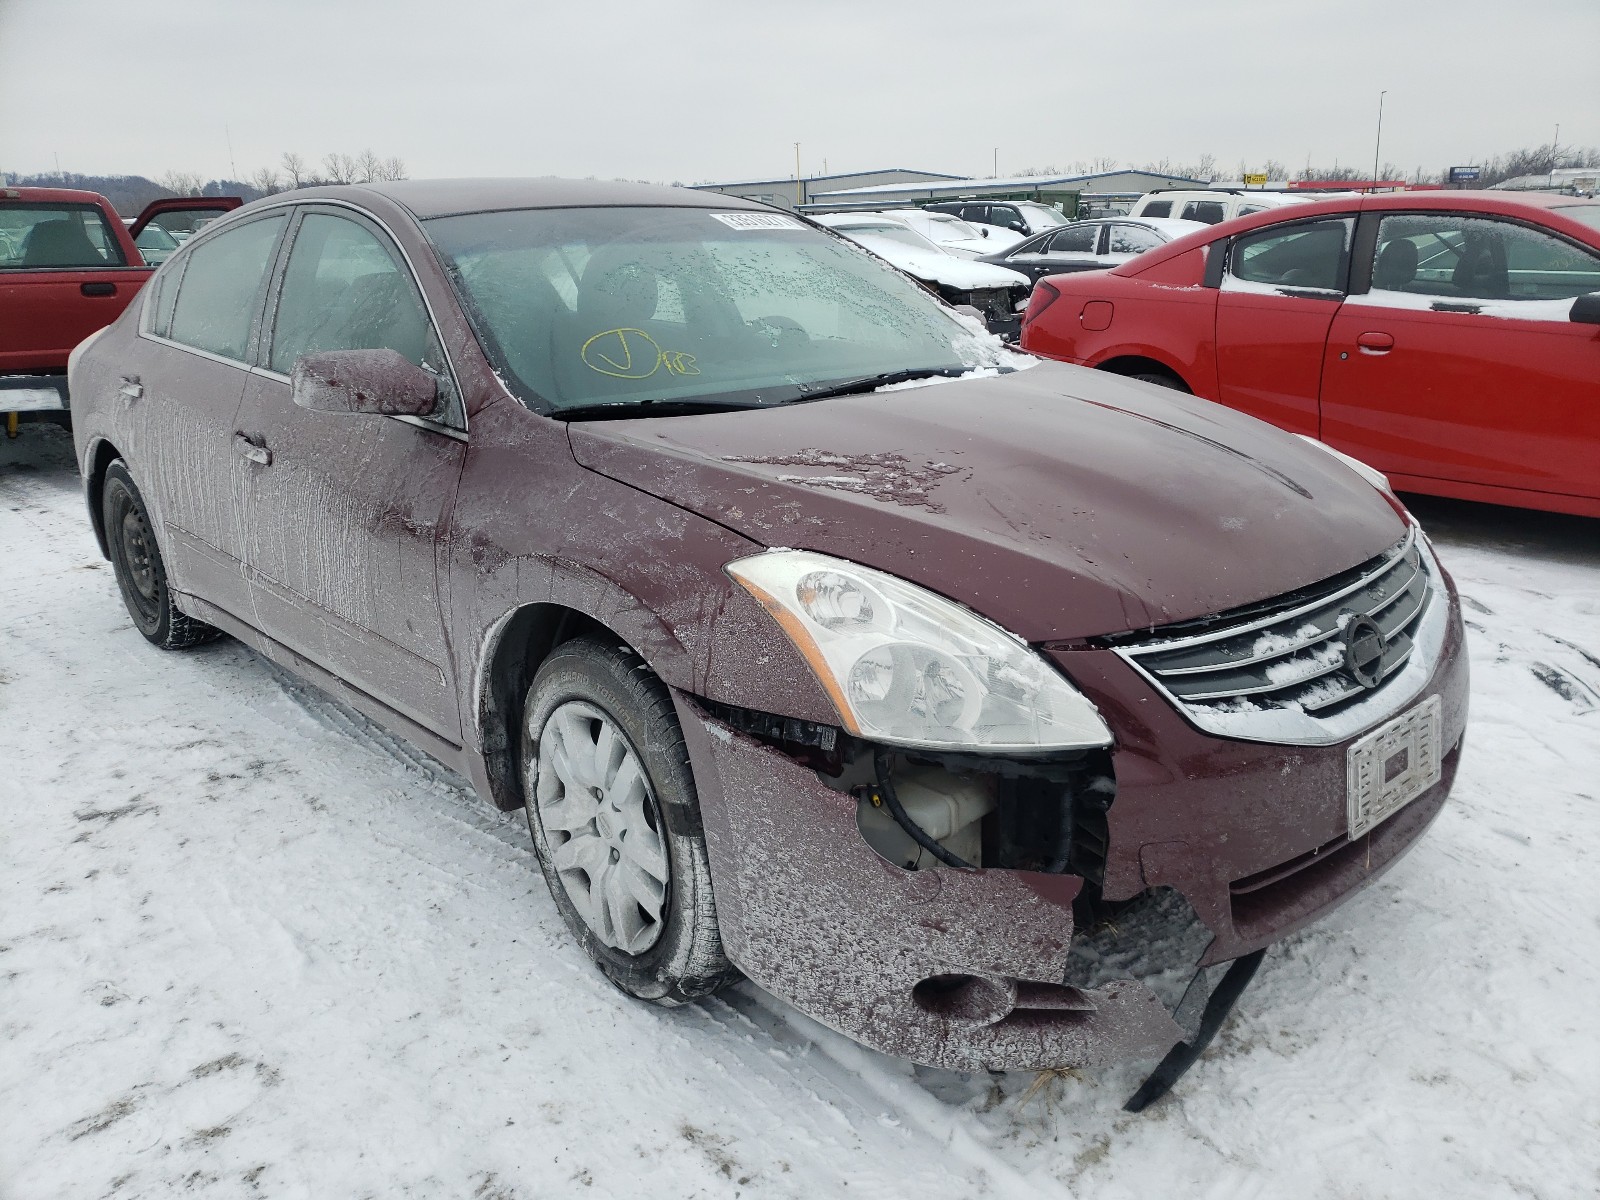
x,y
1468,258
1309,254
1133,239
630,306
344,289
1157,208
35,236
1075,239
221,285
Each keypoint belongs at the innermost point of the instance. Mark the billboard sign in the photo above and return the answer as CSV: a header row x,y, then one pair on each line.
x,y
1465,174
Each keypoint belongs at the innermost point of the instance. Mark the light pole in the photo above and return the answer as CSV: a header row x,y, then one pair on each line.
x,y
799,188
1378,144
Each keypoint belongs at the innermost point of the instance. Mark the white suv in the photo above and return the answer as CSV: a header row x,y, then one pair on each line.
x,y
1211,207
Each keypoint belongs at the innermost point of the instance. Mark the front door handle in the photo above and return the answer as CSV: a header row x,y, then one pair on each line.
x,y
131,388
98,289
1375,343
252,450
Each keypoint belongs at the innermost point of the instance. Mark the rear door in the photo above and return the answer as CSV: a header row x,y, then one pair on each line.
x,y
1459,362
64,273
1281,286
345,511
182,386
1070,248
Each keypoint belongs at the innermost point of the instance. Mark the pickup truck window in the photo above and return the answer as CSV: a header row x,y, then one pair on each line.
x,y
34,236
221,288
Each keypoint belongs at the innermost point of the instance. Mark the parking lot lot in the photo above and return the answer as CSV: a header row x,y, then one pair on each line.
x,y
251,943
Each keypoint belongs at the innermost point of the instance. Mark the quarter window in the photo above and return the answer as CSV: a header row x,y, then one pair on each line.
x,y
1305,255
1468,258
1157,208
221,285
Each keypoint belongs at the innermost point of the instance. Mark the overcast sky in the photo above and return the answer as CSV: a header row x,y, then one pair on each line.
x,y
721,89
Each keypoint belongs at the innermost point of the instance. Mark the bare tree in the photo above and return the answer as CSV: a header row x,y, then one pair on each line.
x,y
265,181
1206,168
1102,164
294,167
340,168
393,168
182,183
368,167
1273,169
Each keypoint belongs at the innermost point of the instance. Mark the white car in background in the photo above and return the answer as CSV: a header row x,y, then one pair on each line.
x,y
1212,207
953,234
996,292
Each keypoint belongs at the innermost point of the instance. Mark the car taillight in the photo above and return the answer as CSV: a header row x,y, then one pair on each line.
x,y
1044,295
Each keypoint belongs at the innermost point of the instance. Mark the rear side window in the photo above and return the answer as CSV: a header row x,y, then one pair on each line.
x,y
1075,239
221,285
35,236
1210,211
1133,239
1157,208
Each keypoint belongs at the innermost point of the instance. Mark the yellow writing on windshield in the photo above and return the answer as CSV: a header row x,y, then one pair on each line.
x,y
633,354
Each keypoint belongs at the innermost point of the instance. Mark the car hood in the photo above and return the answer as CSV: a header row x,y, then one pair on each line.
x,y
1060,502
964,274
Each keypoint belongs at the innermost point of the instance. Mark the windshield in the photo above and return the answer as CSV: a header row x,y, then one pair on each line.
x,y
891,231
1042,215
1587,214
630,306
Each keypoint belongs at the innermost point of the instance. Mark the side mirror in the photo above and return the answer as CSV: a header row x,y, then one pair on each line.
x,y
383,382
984,230
1586,309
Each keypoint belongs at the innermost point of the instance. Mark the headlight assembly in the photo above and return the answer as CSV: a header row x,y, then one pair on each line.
x,y
907,667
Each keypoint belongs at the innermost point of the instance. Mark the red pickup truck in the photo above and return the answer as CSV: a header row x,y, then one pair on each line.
x,y
68,266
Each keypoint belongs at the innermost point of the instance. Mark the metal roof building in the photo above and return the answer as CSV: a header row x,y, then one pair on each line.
x,y
792,192
1014,187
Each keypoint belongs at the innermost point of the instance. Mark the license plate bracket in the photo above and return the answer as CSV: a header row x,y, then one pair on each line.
x,y
1392,766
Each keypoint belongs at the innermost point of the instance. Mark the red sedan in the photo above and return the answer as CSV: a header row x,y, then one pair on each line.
x,y
1450,339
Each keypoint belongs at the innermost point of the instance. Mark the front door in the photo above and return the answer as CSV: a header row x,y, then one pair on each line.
x,y
1280,290
1460,363
345,511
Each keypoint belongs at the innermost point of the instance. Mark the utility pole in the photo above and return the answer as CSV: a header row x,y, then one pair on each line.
x,y
799,188
1377,145
1555,159
233,170
997,162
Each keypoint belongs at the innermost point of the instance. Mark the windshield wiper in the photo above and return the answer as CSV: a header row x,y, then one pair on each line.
x,y
624,409
868,383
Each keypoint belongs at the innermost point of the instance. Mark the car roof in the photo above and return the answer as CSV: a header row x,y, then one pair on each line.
x,y
1502,203
426,198
52,195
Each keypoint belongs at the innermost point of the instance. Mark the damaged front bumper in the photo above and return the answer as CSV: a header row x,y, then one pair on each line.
x,y
955,969
981,969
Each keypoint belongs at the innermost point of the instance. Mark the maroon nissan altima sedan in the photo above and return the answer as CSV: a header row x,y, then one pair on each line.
x,y
822,639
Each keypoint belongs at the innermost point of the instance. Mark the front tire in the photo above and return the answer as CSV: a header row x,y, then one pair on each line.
x,y
141,573
616,824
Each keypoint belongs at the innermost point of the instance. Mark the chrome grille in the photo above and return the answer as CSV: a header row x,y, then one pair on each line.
x,y
1289,656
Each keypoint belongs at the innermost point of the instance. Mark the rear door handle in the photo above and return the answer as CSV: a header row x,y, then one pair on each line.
x,y
131,388
98,289
1375,343
252,450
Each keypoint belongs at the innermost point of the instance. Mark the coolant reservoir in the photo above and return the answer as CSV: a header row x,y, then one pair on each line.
x,y
949,808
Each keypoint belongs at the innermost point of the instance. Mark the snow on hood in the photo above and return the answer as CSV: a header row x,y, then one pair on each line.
x,y
1060,502
961,273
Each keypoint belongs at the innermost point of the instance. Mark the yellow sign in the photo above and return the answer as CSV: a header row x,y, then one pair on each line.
x,y
1255,181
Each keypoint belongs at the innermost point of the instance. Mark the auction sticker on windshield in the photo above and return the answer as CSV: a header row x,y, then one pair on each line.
x,y
1391,766
756,221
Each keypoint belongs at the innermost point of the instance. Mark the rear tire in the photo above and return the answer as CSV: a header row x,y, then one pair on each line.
x,y
141,573
1160,380
616,824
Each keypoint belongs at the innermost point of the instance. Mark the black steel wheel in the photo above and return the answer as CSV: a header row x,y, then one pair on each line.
x,y
141,574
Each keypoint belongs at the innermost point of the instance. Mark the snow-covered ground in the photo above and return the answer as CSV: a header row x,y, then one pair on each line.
x,y
251,945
